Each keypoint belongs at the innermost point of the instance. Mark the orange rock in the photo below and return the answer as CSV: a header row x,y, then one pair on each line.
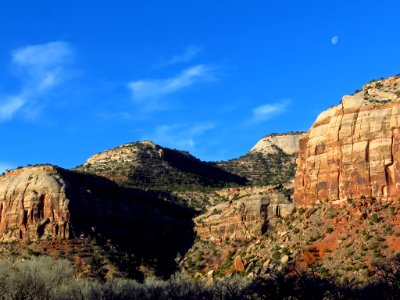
x,y
33,204
238,264
353,149
242,219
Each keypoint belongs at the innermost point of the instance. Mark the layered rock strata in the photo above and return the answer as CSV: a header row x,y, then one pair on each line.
x,y
353,149
242,218
47,202
33,205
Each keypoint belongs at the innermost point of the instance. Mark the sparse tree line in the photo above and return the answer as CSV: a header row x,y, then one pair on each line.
x,y
45,278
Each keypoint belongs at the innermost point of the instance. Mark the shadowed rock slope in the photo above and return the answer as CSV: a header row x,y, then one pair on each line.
x,y
47,203
145,164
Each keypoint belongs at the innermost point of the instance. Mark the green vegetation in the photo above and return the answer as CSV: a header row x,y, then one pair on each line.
x,y
329,230
375,218
259,169
150,166
276,255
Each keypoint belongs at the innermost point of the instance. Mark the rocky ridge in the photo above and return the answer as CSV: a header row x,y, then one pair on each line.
x,y
45,204
287,142
145,164
353,149
270,162
247,214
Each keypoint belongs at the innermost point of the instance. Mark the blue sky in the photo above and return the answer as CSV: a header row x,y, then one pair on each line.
x,y
210,77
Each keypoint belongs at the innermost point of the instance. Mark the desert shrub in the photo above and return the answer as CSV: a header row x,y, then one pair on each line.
x,y
33,279
235,287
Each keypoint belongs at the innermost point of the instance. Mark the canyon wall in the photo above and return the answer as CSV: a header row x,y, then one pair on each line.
x,y
353,149
33,205
246,215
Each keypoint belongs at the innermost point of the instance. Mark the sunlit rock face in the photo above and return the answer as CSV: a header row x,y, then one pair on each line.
x,y
243,218
287,142
33,205
353,149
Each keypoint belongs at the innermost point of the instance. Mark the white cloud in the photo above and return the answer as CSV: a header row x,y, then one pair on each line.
x,y
149,91
335,40
190,53
180,136
10,106
42,57
40,68
267,111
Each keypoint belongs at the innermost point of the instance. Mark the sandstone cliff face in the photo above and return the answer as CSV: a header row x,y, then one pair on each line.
x,y
50,205
33,205
353,149
47,202
287,142
243,218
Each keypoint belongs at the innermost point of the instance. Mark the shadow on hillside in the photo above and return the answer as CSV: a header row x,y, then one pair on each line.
x,y
178,168
207,173
134,227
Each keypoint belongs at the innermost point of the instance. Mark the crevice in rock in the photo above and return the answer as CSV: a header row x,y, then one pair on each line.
x,y
340,152
387,167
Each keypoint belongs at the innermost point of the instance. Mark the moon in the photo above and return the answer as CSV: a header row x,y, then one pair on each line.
x,y
335,40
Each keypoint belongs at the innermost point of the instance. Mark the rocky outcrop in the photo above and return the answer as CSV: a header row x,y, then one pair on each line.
x,y
246,217
33,205
353,149
146,164
270,162
47,202
287,142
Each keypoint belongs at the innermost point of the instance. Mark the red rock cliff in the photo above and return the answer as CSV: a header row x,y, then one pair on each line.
x,y
33,204
353,149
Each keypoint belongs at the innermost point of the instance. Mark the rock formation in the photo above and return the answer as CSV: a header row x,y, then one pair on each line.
x,y
270,162
287,142
247,216
33,205
149,165
353,149
47,202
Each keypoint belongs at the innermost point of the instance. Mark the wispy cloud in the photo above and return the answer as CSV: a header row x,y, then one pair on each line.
x,y
190,53
267,111
40,68
181,136
148,92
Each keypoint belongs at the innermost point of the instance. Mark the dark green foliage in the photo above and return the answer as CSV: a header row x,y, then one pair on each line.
x,y
178,168
155,167
259,169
